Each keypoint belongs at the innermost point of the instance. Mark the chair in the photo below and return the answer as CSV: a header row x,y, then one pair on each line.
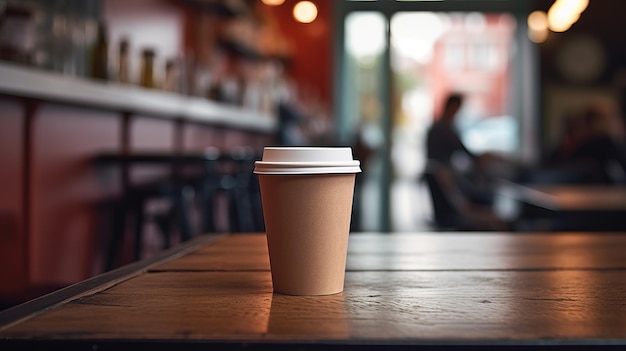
x,y
452,209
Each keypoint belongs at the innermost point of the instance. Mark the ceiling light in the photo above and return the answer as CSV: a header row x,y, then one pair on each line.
x,y
273,2
305,12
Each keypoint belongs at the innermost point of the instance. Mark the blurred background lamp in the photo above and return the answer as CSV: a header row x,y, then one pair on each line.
x,y
538,26
563,13
305,12
273,2
538,20
537,36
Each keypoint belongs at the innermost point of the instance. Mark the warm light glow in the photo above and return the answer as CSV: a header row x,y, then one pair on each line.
x,y
538,26
305,12
273,2
564,13
537,36
538,21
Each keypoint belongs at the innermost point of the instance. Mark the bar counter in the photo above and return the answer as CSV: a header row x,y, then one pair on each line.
x,y
54,197
405,290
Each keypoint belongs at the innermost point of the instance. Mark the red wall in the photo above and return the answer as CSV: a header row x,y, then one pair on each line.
x,y
311,64
66,190
13,241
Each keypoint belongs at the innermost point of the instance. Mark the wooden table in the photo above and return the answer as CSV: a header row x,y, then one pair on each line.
x,y
573,207
568,197
428,289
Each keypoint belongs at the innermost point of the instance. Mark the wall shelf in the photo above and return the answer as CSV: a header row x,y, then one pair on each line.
x,y
27,82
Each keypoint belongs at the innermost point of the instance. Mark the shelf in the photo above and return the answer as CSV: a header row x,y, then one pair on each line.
x,y
32,83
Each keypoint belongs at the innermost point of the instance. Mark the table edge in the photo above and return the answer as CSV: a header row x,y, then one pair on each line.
x,y
100,282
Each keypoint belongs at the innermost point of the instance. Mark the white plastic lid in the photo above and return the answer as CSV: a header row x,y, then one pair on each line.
x,y
307,160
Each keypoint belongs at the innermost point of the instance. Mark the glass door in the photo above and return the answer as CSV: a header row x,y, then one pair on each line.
x,y
396,68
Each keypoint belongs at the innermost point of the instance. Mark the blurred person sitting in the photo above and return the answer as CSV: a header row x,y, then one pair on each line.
x,y
558,165
444,146
572,134
593,151
452,209
603,151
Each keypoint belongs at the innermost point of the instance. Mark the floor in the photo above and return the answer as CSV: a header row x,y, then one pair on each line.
x,y
411,208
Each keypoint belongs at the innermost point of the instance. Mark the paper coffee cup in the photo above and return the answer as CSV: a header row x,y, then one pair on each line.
x,y
306,194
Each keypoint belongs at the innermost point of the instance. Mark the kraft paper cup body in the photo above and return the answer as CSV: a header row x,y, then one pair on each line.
x,y
307,211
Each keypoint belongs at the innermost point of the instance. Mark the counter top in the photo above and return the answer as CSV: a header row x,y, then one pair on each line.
x,y
29,82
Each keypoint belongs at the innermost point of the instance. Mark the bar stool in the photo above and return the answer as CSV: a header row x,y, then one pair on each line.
x,y
228,174
216,173
134,197
244,192
134,203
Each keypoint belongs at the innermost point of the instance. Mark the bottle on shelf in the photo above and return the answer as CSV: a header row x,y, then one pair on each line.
x,y
123,62
172,76
99,54
147,68
17,33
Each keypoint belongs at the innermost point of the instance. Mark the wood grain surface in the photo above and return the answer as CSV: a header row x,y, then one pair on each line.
x,y
400,288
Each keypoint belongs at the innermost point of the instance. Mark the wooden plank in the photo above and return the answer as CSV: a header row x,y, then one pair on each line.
x,y
236,252
486,251
219,261
462,306
425,251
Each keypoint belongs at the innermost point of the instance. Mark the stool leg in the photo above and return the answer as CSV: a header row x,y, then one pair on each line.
x,y
244,210
208,208
119,226
164,222
244,195
182,213
257,207
139,219
233,211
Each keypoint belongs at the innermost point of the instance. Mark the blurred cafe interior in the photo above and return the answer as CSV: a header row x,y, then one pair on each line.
x,y
129,126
